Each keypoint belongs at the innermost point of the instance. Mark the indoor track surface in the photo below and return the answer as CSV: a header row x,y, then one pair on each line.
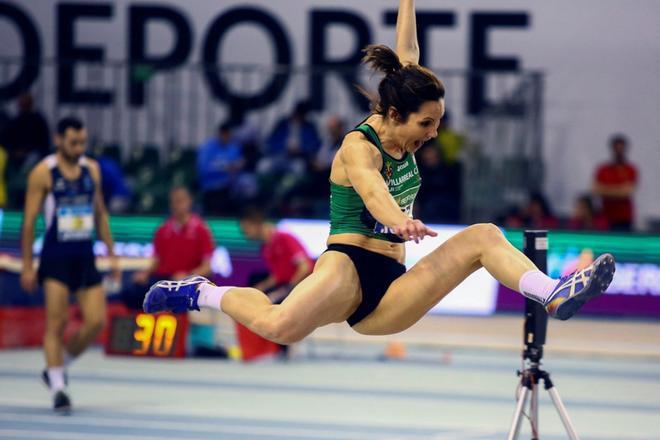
x,y
333,393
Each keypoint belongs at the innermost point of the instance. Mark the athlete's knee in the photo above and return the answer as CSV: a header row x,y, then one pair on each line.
x,y
94,325
56,323
487,233
280,326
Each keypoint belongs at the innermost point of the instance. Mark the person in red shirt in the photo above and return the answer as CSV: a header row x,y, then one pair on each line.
x,y
183,245
615,183
286,259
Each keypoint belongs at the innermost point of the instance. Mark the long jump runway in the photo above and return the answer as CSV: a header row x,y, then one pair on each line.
x,y
468,395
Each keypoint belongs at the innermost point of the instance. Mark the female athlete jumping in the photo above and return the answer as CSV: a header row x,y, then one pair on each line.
x,y
374,180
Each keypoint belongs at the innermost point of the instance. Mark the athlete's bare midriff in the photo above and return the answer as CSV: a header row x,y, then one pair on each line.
x,y
396,251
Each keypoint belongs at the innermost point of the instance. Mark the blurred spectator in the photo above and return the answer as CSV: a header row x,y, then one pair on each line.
x,y
286,259
183,246
439,198
319,185
4,122
335,131
615,183
584,216
218,163
4,157
536,214
3,182
442,172
27,136
116,194
292,144
451,142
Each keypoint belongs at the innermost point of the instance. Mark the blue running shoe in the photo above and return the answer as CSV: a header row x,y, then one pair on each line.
x,y
574,290
173,296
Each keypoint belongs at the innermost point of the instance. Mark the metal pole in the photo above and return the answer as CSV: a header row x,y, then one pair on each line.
x,y
563,414
517,415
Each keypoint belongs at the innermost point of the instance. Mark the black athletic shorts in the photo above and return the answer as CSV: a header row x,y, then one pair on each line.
x,y
376,273
77,272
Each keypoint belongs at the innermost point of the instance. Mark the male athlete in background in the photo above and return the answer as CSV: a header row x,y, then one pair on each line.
x,y
67,186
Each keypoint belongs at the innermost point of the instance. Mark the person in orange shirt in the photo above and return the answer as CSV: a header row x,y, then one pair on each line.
x,y
615,183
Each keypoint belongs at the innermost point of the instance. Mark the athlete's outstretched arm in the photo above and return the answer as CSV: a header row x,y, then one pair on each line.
x,y
361,162
407,47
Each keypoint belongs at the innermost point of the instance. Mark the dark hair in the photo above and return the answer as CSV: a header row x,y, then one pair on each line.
x,y
405,88
224,127
618,138
588,201
69,122
180,188
252,213
537,197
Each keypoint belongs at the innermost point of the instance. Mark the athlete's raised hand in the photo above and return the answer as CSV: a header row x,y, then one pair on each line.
x,y
413,229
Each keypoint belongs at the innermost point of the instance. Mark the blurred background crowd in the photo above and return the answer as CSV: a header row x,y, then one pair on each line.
x,y
285,170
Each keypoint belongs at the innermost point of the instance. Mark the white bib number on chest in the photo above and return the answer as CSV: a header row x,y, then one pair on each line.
x,y
75,223
379,228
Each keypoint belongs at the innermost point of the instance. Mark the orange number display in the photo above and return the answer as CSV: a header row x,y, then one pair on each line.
x,y
160,331
144,333
164,335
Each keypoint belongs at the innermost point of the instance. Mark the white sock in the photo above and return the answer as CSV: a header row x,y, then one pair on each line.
x,y
536,285
56,379
68,359
210,296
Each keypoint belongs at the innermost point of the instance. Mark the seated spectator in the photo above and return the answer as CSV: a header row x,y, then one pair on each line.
x,y
116,195
3,183
319,187
218,163
584,216
615,183
26,136
183,246
451,142
442,172
439,198
292,144
538,214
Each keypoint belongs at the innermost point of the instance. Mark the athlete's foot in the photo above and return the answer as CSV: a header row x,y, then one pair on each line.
x,y
173,296
61,403
574,290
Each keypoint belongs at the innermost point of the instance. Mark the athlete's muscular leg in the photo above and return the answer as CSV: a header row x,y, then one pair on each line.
x,y
437,274
57,312
92,304
330,294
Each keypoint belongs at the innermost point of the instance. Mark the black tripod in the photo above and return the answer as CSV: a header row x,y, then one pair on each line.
x,y
536,322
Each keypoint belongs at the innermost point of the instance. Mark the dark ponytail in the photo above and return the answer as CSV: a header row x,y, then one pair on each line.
x,y
381,58
404,88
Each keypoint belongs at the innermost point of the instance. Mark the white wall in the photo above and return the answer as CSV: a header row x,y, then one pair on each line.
x,y
601,58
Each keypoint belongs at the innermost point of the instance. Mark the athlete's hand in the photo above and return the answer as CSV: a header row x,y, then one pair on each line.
x,y
414,229
29,280
115,271
141,277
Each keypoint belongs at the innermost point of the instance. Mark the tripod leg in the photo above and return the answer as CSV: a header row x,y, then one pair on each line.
x,y
563,414
518,414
